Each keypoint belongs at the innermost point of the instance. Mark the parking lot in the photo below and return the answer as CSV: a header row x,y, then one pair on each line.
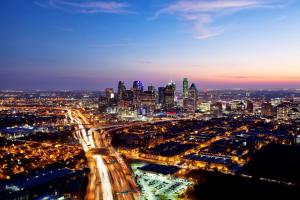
x,y
157,186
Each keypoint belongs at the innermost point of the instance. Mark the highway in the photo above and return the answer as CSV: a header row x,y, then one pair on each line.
x,y
106,165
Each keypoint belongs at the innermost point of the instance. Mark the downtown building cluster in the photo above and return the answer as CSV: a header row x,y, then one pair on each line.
x,y
188,100
141,101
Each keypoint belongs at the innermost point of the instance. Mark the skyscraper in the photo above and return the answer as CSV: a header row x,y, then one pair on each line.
x,y
121,90
137,89
192,98
185,92
161,95
137,86
185,88
169,96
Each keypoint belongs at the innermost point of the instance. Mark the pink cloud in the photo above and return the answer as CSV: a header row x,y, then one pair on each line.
x,y
202,14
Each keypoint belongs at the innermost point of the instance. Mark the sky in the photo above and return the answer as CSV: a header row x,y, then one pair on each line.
x,y
92,44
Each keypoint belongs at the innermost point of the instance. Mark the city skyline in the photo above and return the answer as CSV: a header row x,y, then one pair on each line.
x,y
59,44
149,99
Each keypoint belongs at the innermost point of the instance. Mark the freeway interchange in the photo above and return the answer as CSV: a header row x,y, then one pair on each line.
x,y
109,177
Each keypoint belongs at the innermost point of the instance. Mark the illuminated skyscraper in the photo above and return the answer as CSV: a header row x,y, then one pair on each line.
x,y
185,89
121,90
192,98
169,96
185,92
137,86
137,89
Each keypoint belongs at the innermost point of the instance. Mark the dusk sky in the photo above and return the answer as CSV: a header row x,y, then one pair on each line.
x,y
92,44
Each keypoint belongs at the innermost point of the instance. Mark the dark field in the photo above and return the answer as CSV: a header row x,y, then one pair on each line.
x,y
278,162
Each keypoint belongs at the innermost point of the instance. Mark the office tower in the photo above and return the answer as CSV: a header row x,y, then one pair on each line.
x,y
192,98
185,89
169,96
121,90
138,86
137,89
161,95
185,92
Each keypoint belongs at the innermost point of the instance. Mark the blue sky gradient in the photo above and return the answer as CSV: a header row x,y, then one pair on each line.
x,y
81,44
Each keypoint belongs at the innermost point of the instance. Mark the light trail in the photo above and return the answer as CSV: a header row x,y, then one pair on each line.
x,y
87,142
90,138
104,176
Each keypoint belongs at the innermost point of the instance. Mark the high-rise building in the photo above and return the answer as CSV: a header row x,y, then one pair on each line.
x,y
185,88
169,96
192,98
185,92
161,95
137,89
138,86
121,90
